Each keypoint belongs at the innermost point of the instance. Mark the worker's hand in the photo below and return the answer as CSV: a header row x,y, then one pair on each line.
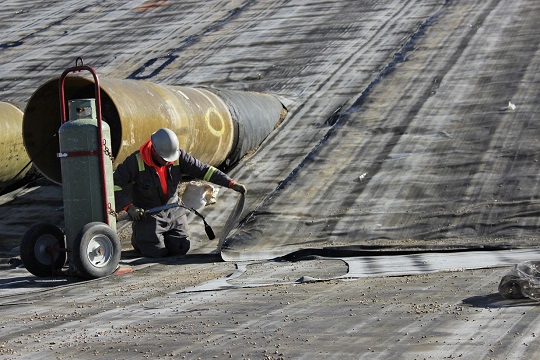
x,y
239,187
135,213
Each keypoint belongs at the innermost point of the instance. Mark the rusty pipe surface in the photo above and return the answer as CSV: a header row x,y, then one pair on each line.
x,y
12,152
211,125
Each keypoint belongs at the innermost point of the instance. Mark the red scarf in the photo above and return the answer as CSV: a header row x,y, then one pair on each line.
x,y
146,153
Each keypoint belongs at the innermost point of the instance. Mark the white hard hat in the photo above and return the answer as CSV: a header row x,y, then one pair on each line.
x,y
165,143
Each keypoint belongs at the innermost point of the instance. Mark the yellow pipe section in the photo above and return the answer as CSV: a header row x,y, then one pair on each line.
x,y
12,151
134,110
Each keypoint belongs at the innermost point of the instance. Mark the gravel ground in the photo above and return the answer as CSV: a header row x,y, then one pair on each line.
x,y
150,313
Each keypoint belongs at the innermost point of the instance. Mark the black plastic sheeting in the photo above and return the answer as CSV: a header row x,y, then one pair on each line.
x,y
411,124
438,149
254,117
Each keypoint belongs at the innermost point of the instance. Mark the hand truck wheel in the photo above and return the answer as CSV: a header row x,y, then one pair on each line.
x,y
43,249
96,251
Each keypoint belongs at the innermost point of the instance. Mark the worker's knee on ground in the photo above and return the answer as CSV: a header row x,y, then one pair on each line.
x,y
154,251
177,246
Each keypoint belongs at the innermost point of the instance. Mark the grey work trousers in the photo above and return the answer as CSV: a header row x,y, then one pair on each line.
x,y
162,234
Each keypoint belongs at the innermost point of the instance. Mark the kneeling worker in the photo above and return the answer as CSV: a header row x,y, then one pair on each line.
x,y
149,178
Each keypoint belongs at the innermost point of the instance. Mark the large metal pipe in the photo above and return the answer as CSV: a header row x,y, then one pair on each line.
x,y
216,126
12,152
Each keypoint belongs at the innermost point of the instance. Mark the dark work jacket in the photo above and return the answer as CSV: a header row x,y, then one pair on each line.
x,y
138,183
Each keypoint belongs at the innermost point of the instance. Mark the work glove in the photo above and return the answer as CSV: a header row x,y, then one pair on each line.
x,y
239,187
135,213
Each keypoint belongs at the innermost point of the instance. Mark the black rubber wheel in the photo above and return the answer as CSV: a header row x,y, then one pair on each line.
x,y
96,251
43,249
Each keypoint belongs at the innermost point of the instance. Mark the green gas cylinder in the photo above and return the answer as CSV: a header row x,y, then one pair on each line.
x,y
80,168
